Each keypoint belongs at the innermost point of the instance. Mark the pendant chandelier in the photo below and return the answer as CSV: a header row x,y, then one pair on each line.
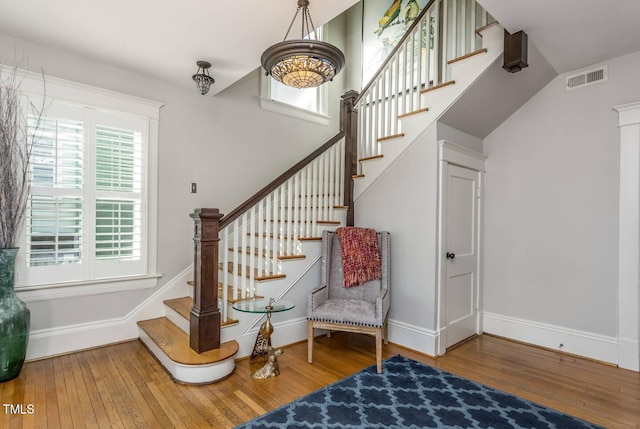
x,y
202,78
303,63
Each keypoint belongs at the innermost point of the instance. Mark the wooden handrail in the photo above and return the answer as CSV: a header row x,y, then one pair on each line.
x,y
396,48
258,196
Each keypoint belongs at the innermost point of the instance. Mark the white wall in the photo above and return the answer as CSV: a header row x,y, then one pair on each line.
x,y
449,133
402,201
227,144
551,209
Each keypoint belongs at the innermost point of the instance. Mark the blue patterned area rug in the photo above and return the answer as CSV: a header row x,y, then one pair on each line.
x,y
409,394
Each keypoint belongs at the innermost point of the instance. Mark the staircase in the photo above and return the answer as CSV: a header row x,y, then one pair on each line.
x,y
269,245
264,249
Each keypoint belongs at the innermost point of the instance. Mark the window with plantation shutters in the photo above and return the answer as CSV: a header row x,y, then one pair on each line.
x,y
54,212
118,194
88,225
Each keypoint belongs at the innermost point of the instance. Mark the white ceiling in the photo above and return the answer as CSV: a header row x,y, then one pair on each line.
x,y
572,34
164,38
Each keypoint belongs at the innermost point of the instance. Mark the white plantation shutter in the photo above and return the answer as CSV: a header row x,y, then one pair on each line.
x,y
86,206
54,213
119,175
54,230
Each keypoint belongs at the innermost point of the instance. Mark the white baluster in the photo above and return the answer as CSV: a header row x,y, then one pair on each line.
x,y
309,200
462,34
251,248
225,274
236,258
444,42
261,225
472,28
282,224
397,92
406,78
243,249
420,66
438,42
322,187
267,233
296,212
315,203
371,134
384,103
276,231
341,173
332,180
291,226
412,67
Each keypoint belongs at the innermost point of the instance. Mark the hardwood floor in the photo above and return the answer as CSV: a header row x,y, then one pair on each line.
x,y
122,386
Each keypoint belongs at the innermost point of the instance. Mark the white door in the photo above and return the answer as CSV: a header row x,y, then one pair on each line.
x,y
460,245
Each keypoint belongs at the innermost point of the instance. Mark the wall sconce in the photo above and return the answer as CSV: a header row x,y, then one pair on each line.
x,y
202,78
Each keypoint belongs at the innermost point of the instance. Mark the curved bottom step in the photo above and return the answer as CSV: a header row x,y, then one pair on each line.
x,y
170,345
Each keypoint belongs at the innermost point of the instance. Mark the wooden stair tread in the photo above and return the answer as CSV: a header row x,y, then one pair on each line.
x,y
369,158
469,55
256,276
256,252
174,342
183,307
391,137
438,86
415,112
481,29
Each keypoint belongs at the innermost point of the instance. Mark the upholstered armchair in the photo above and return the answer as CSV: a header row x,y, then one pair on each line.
x,y
361,309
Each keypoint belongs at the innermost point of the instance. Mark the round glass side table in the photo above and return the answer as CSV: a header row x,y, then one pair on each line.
x,y
263,340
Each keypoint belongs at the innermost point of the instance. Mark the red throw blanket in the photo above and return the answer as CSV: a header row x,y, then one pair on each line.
x,y
360,255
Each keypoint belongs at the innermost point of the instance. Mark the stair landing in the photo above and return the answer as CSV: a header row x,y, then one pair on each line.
x,y
170,345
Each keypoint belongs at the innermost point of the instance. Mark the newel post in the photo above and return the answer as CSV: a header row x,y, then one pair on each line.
x,y
205,314
349,124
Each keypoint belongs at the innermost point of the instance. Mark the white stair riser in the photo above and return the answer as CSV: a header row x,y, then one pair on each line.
x,y
195,374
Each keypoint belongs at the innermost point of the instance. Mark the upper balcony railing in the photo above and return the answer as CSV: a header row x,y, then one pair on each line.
x,y
444,30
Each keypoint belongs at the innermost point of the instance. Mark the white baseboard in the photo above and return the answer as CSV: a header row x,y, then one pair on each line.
x,y
589,345
629,354
413,337
66,339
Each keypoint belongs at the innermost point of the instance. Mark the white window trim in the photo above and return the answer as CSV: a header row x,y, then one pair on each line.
x,y
275,106
90,96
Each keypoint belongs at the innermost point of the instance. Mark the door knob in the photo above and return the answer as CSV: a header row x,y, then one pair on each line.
x,y
451,255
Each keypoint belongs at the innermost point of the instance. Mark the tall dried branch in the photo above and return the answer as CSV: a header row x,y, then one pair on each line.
x,y
16,143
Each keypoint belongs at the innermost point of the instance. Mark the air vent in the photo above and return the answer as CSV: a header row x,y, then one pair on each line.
x,y
586,78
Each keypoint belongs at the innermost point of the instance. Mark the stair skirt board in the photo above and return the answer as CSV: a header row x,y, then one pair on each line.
x,y
190,374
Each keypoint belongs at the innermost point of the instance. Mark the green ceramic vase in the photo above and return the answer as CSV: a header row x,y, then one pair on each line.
x,y
15,320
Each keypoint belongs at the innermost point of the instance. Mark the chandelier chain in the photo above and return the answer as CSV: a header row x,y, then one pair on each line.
x,y
291,25
313,27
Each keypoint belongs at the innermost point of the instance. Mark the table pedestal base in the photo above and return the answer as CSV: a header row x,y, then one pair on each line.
x,y
260,347
270,369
